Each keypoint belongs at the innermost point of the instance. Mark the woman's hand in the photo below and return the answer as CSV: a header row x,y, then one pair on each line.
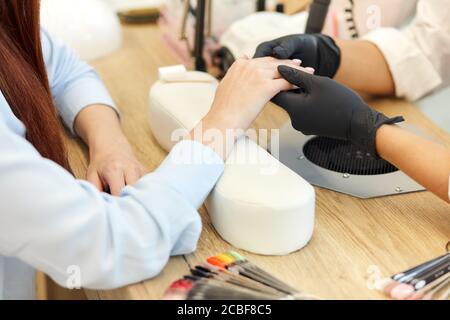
x,y
247,87
113,165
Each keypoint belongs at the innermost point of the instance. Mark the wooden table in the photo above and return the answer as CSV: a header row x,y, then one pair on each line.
x,y
351,237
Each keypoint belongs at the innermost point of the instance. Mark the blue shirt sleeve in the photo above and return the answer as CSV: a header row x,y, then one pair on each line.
x,y
53,222
74,84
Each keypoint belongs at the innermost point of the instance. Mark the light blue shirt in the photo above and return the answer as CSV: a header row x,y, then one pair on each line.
x,y
65,227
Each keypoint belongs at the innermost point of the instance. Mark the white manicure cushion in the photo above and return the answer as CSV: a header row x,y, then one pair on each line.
x,y
259,204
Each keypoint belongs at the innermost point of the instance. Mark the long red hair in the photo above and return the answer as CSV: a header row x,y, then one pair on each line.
x,y
23,77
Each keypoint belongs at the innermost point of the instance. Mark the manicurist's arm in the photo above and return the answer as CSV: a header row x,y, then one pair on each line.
x,y
426,162
409,62
363,67
355,63
329,109
89,111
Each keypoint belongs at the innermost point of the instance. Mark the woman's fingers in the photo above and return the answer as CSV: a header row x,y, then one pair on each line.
x,y
281,85
132,175
115,180
92,177
270,66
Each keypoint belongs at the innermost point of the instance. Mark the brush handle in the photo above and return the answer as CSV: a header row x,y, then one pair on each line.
x,y
431,276
410,274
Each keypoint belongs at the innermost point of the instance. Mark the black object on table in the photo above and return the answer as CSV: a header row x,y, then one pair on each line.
x,y
317,15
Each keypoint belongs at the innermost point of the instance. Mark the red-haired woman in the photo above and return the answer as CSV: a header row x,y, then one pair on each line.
x,y
53,222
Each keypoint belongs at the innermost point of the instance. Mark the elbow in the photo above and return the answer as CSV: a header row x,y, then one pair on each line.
x,y
109,278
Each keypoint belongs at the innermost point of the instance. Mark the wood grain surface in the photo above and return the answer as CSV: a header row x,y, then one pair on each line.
x,y
352,237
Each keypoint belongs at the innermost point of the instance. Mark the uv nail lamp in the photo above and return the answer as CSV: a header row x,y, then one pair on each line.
x,y
338,165
259,204
244,36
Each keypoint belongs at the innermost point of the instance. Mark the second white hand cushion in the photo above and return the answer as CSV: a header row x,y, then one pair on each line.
x,y
259,204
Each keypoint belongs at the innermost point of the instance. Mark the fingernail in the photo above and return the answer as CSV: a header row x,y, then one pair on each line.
x,y
297,61
309,69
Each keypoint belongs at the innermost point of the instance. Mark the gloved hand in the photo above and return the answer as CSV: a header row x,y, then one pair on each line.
x,y
315,50
327,108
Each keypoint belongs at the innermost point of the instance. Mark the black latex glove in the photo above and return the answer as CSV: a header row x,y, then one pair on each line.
x,y
315,50
326,108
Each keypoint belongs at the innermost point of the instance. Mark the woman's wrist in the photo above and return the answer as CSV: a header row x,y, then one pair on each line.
x,y
221,119
380,139
105,140
219,131
99,127
387,140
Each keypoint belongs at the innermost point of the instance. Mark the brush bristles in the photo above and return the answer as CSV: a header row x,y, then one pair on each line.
x,y
230,276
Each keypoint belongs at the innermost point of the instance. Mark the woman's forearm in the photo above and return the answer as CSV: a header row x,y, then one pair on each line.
x,y
97,125
425,161
356,72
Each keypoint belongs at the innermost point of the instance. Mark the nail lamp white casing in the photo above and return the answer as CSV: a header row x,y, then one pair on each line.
x,y
244,36
90,27
122,5
260,206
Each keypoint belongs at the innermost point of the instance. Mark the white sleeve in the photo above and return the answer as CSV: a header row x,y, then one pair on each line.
x,y
53,222
419,55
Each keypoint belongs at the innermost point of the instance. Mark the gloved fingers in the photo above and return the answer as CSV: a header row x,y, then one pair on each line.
x,y
297,77
286,48
265,49
290,102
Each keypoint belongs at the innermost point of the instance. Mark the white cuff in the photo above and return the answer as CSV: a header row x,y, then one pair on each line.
x,y
192,169
81,94
414,75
